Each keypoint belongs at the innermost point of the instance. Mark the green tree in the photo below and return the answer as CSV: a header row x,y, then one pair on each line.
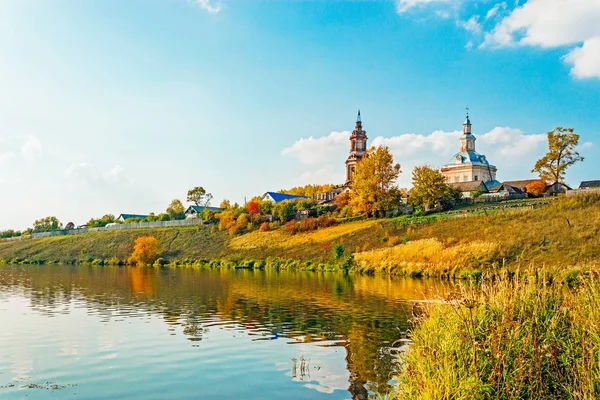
x,y
560,156
101,222
374,182
430,189
176,209
47,224
284,211
199,196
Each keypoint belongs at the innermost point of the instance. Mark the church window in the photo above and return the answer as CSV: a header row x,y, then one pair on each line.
x,y
475,178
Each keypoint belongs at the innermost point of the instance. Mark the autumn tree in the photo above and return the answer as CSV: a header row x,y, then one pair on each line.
x,y
253,208
536,188
225,204
430,189
199,196
374,187
176,210
342,199
145,251
47,224
560,156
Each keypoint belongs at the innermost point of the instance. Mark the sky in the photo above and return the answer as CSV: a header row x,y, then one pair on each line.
x,y
110,106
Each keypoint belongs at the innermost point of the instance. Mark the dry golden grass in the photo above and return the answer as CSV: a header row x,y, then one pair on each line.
x,y
281,239
431,254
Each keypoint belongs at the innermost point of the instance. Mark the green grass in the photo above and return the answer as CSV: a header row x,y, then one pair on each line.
x,y
521,337
563,232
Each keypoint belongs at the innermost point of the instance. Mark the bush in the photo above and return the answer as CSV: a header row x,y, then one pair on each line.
x,y
308,224
264,227
145,251
291,227
325,222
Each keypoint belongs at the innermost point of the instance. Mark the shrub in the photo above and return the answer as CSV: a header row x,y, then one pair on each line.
x,y
291,227
325,222
145,251
264,227
308,224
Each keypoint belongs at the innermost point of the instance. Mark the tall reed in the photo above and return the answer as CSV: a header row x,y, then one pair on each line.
x,y
514,338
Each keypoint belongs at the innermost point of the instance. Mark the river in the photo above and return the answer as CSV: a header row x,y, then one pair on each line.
x,y
91,332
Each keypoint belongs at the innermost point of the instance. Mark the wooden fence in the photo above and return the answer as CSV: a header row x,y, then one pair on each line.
x,y
136,225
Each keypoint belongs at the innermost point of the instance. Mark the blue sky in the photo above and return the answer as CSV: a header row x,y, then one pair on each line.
x,y
111,106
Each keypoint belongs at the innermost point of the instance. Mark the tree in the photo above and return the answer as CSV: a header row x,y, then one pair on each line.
x,y
560,156
536,188
176,210
199,196
374,178
225,204
47,224
101,222
342,200
430,189
253,208
145,250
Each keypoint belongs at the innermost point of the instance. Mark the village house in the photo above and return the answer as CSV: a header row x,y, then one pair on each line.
x,y
123,217
275,197
193,211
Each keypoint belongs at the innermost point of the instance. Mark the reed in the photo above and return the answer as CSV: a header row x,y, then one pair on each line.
x,y
521,337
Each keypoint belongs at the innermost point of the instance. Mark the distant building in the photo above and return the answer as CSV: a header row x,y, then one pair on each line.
x,y
328,197
279,197
467,188
521,186
358,148
123,217
590,185
467,165
193,211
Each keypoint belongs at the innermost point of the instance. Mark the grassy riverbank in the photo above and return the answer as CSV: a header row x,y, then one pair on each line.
x,y
564,232
532,337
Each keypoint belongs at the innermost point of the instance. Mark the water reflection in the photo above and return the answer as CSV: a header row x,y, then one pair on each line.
x,y
326,314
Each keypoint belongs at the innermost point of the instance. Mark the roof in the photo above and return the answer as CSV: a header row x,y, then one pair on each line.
x,y
507,188
278,197
589,184
522,184
468,156
128,216
198,209
467,186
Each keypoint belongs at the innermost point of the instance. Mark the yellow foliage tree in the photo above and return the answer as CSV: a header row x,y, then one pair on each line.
x,y
145,251
374,190
536,188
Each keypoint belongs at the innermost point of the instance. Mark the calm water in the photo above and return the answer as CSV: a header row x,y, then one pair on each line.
x,y
117,332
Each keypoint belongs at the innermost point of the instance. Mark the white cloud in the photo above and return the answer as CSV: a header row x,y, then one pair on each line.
x,y
554,23
494,10
31,149
315,150
585,60
587,145
442,14
404,5
510,149
86,172
4,157
472,25
469,45
211,6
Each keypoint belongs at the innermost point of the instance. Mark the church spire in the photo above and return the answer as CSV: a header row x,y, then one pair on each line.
x,y
467,124
358,116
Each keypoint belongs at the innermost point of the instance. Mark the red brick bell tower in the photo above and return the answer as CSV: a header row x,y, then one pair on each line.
x,y
358,148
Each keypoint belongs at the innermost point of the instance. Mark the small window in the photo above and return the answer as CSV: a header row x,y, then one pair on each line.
x,y
476,178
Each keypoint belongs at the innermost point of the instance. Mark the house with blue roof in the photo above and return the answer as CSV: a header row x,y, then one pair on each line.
x,y
275,197
123,217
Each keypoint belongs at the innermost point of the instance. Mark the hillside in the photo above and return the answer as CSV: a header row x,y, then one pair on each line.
x,y
564,232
